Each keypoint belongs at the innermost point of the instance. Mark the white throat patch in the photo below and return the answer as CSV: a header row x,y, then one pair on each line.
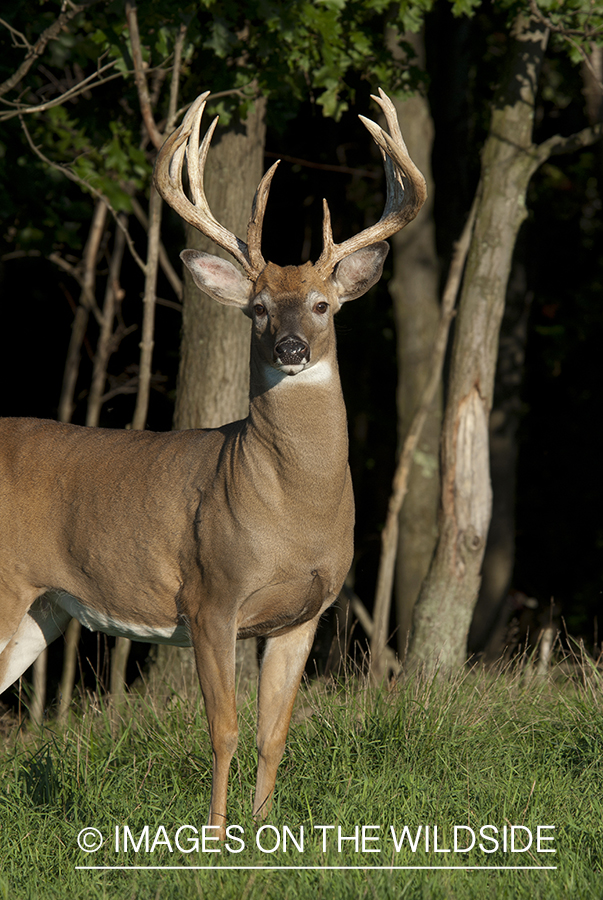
x,y
317,373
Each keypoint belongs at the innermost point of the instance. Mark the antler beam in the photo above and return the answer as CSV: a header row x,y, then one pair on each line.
x,y
406,191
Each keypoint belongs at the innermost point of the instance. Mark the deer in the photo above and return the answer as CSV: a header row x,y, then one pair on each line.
x,y
207,536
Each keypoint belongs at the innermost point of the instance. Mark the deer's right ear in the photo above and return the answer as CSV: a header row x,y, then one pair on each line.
x,y
218,278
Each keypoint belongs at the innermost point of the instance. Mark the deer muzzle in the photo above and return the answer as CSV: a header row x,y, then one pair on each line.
x,y
292,351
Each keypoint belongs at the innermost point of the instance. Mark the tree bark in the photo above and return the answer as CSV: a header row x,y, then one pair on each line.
x,y
213,379
389,535
499,559
414,292
445,605
80,320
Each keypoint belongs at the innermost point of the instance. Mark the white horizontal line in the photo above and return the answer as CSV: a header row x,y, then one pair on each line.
x,y
219,868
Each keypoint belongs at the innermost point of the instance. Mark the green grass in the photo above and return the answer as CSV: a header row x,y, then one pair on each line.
x,y
472,752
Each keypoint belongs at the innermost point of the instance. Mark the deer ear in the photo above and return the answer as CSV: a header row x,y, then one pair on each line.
x,y
218,278
359,271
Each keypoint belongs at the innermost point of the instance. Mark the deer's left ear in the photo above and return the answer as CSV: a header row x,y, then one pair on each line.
x,y
359,271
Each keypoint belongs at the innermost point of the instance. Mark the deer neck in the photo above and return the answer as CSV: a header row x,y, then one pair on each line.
x,y
299,420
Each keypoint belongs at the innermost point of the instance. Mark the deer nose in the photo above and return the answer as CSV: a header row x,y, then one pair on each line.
x,y
292,351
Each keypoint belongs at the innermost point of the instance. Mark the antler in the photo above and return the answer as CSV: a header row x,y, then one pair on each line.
x,y
406,192
168,181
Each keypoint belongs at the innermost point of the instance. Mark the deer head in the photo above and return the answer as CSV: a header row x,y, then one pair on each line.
x,y
343,271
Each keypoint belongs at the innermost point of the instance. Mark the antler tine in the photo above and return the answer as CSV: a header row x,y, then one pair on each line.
x,y
327,231
197,157
391,117
168,181
168,165
394,164
406,191
256,222
394,187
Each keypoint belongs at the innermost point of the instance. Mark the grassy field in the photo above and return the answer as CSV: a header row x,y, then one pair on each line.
x,y
479,751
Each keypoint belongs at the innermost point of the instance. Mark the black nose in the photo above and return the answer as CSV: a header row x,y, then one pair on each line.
x,y
292,351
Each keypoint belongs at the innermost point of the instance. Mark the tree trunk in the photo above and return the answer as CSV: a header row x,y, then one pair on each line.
x,y
445,605
499,559
66,406
414,291
213,380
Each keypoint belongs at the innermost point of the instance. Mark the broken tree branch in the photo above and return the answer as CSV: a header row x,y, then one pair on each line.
x,y
389,535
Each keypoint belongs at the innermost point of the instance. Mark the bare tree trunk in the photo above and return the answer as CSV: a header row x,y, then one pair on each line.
x,y
99,374
72,639
213,380
492,610
445,605
389,535
499,558
106,340
414,290
592,77
80,321
36,710
147,343
66,404
121,651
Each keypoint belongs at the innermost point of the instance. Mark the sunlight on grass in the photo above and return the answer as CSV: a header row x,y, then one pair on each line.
x,y
506,753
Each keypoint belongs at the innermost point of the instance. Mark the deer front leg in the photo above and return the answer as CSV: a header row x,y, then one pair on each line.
x,y
43,622
214,644
283,664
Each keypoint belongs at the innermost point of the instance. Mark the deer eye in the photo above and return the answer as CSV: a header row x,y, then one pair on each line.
x,y
321,307
259,309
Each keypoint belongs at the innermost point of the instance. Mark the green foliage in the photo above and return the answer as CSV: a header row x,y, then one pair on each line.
x,y
285,51
576,25
465,7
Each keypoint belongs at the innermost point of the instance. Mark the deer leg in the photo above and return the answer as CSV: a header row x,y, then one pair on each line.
x,y
283,665
214,644
43,622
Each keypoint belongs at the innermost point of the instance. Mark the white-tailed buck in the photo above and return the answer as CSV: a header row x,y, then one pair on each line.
x,y
207,536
